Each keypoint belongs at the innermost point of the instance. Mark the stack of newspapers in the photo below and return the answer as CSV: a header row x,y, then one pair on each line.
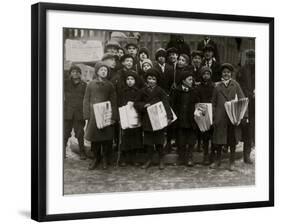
x,y
103,114
236,109
158,116
203,116
129,117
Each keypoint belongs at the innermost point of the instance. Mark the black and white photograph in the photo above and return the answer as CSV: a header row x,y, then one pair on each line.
x,y
150,111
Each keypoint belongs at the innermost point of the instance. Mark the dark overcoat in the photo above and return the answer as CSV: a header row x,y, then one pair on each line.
x,y
73,100
96,92
166,77
222,94
151,96
205,92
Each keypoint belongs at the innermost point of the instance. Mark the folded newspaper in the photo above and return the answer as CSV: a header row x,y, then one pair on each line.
x,y
203,116
158,116
103,114
236,109
129,117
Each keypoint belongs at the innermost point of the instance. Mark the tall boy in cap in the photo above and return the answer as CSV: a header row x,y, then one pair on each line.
x,y
143,54
132,49
211,63
225,133
172,59
208,41
184,100
74,90
196,65
150,95
205,92
99,90
246,78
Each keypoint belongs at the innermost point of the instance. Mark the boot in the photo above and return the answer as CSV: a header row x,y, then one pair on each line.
x,y
161,158
93,165
149,158
190,162
95,148
123,159
231,159
216,163
246,155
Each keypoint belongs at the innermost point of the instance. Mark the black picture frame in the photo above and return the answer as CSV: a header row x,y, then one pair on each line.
x,y
38,116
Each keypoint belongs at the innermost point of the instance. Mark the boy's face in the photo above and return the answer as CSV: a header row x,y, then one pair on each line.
x,y
209,54
151,81
111,50
206,76
182,62
75,76
120,53
188,81
128,63
146,66
102,72
226,74
197,60
173,57
130,81
132,50
143,56
161,60
110,62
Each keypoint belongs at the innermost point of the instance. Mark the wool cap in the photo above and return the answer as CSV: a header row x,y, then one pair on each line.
x,y
205,69
147,61
100,64
186,74
75,67
152,72
228,66
109,56
144,50
196,53
131,44
126,56
172,50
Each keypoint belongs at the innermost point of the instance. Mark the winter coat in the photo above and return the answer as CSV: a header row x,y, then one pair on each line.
x,y
222,94
73,100
205,92
148,96
166,77
184,106
97,92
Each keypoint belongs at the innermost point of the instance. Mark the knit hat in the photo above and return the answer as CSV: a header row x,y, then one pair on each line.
x,y
196,52
160,52
172,50
126,56
100,64
130,73
205,69
147,61
228,66
152,72
75,67
144,50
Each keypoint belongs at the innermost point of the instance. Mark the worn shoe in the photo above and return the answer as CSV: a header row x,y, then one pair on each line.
x,y
93,165
146,165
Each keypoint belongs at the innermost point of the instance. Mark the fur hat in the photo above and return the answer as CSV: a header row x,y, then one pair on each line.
x,y
147,61
196,52
186,74
172,50
205,69
144,50
160,52
130,73
100,64
228,66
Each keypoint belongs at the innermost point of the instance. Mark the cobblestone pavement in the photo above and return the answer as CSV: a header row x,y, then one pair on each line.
x,y
78,179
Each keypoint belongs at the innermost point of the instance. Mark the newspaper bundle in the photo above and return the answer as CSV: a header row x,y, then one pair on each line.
x,y
158,116
129,117
236,109
203,116
103,114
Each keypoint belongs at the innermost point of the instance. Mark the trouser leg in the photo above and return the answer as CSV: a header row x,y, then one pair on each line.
x,y
160,150
79,134
68,124
189,153
148,162
96,150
